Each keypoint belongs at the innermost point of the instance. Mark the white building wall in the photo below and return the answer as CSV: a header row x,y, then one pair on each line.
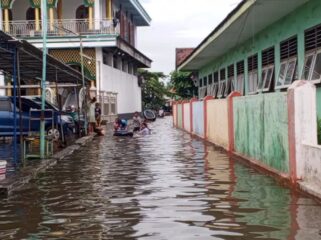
x,y
126,85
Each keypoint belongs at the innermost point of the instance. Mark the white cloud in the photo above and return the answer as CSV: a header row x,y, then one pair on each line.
x,y
178,23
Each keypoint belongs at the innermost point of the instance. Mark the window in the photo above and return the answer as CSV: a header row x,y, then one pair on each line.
x,y
210,88
210,79
230,80
222,84
253,74
201,82
312,66
240,77
267,69
288,67
215,84
205,81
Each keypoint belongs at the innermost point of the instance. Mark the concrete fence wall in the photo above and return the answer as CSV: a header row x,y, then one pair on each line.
x,y
261,129
180,115
187,116
174,110
198,118
217,122
276,131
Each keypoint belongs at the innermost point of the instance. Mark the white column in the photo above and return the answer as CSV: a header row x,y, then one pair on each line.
x,y
1,19
97,14
2,91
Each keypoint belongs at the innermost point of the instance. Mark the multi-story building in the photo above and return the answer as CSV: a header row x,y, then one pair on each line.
x,y
261,46
106,31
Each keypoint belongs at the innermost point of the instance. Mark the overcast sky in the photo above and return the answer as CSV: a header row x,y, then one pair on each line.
x,y
177,24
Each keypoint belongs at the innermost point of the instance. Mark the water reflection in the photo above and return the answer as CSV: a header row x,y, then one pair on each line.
x,y
164,186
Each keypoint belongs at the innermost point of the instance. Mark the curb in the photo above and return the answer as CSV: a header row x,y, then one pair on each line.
x,y
25,175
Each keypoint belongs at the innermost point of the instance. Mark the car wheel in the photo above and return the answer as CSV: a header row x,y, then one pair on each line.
x,y
53,133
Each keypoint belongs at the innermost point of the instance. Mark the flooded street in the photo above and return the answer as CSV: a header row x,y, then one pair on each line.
x,y
163,186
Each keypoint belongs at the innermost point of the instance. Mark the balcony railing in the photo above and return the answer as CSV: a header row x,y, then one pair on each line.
x,y
63,28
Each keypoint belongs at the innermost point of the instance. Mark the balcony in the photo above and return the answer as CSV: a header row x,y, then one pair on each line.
x,y
64,28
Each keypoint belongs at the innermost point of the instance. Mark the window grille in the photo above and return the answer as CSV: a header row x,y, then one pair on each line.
x,y
240,77
312,66
222,84
253,74
267,69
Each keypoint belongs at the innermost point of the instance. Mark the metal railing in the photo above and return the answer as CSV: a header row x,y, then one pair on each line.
x,y
63,28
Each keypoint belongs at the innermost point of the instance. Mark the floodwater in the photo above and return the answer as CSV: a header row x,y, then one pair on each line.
x,y
163,186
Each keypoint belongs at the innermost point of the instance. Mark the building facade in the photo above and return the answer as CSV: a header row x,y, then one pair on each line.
x,y
105,31
261,46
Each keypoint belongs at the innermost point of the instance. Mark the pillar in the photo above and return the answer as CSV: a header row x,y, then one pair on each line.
x,y
6,20
9,92
191,112
302,126
90,17
109,15
51,19
207,98
37,19
230,118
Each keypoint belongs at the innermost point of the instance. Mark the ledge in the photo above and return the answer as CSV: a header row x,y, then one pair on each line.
x,y
25,175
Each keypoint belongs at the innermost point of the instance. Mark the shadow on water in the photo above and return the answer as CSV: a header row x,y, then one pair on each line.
x,y
163,186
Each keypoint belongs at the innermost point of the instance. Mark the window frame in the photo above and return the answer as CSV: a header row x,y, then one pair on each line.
x,y
221,84
286,63
314,54
266,69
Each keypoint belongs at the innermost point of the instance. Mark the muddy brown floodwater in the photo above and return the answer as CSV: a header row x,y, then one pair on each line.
x,y
164,186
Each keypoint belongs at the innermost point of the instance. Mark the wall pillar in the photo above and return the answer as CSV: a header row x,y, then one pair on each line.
x,y
302,124
207,98
230,118
191,112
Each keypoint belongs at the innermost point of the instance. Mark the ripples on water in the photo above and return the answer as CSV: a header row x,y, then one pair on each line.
x,y
163,186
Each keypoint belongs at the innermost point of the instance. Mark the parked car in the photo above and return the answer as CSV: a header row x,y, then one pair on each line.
x,y
31,109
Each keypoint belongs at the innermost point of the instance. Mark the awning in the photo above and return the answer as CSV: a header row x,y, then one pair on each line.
x,y
30,62
248,19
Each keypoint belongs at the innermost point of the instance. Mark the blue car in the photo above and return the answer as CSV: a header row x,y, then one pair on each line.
x,y
30,108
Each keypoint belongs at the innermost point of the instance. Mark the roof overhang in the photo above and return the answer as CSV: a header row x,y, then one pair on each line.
x,y
247,19
141,17
31,61
132,54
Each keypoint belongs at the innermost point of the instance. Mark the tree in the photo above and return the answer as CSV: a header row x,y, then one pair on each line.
x,y
153,89
182,85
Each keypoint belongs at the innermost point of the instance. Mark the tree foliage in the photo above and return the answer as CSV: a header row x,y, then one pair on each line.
x,y
182,85
153,89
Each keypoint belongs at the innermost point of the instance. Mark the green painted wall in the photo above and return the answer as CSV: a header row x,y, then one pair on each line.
x,y
306,16
261,129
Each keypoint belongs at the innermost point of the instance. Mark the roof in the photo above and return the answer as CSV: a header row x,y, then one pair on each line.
x,y
141,17
182,54
30,59
247,19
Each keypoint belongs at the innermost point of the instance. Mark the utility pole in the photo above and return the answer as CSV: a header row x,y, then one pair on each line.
x,y
44,77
